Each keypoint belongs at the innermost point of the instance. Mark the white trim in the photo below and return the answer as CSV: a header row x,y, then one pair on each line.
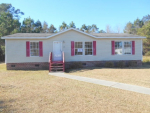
x,y
77,48
5,52
120,37
88,48
30,49
123,46
21,38
141,50
64,32
44,38
69,30
34,41
83,47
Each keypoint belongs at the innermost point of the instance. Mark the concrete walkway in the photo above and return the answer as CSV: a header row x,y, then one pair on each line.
x,y
118,85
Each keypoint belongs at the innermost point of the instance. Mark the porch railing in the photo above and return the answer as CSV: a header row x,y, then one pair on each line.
x,y
63,61
50,60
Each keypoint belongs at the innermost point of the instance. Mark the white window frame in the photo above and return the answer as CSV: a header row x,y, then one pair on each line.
x,y
124,49
81,48
88,48
30,48
123,46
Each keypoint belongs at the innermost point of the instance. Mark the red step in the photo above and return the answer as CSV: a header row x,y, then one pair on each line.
x,y
57,62
56,65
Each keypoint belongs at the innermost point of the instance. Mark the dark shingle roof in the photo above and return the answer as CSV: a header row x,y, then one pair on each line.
x,y
94,34
49,35
30,35
114,35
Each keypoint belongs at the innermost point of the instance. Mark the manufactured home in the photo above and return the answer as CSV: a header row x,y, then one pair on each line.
x,y
41,50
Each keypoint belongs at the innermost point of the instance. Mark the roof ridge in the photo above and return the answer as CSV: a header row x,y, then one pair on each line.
x,y
49,35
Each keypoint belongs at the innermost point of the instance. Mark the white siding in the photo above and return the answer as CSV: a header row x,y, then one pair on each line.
x,y
16,49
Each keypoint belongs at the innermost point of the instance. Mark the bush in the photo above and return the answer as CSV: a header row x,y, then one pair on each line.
x,y
109,64
121,64
148,53
146,61
2,53
132,63
76,65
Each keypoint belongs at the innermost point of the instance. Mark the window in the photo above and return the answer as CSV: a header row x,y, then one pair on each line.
x,y
127,47
118,48
34,48
88,48
78,48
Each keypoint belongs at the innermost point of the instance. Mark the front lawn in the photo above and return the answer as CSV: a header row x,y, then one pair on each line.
x,y
38,92
133,75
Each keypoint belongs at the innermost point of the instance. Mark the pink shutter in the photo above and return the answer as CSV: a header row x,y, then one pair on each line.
x,y
94,47
113,47
72,48
133,47
27,49
40,48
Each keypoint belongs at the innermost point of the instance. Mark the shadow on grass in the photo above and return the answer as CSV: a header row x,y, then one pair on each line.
x,y
2,106
5,108
6,105
2,62
144,66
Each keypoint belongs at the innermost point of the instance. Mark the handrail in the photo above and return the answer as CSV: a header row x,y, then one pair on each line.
x,y
63,62
50,60
50,57
63,56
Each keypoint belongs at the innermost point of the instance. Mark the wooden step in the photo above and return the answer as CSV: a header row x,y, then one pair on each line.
x,y
57,62
58,69
56,66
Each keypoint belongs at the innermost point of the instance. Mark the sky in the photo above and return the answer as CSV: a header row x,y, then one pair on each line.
x,y
115,13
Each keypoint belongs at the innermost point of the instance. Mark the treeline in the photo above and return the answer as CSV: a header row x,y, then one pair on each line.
x,y
9,24
141,27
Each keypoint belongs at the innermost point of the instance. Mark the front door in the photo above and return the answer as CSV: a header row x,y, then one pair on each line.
x,y
57,51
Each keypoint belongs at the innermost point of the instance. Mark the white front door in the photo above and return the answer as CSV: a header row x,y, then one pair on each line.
x,y
57,51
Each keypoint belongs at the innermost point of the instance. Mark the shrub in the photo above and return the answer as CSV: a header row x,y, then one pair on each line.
x,y
146,61
109,64
148,53
132,63
76,65
121,64
2,53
